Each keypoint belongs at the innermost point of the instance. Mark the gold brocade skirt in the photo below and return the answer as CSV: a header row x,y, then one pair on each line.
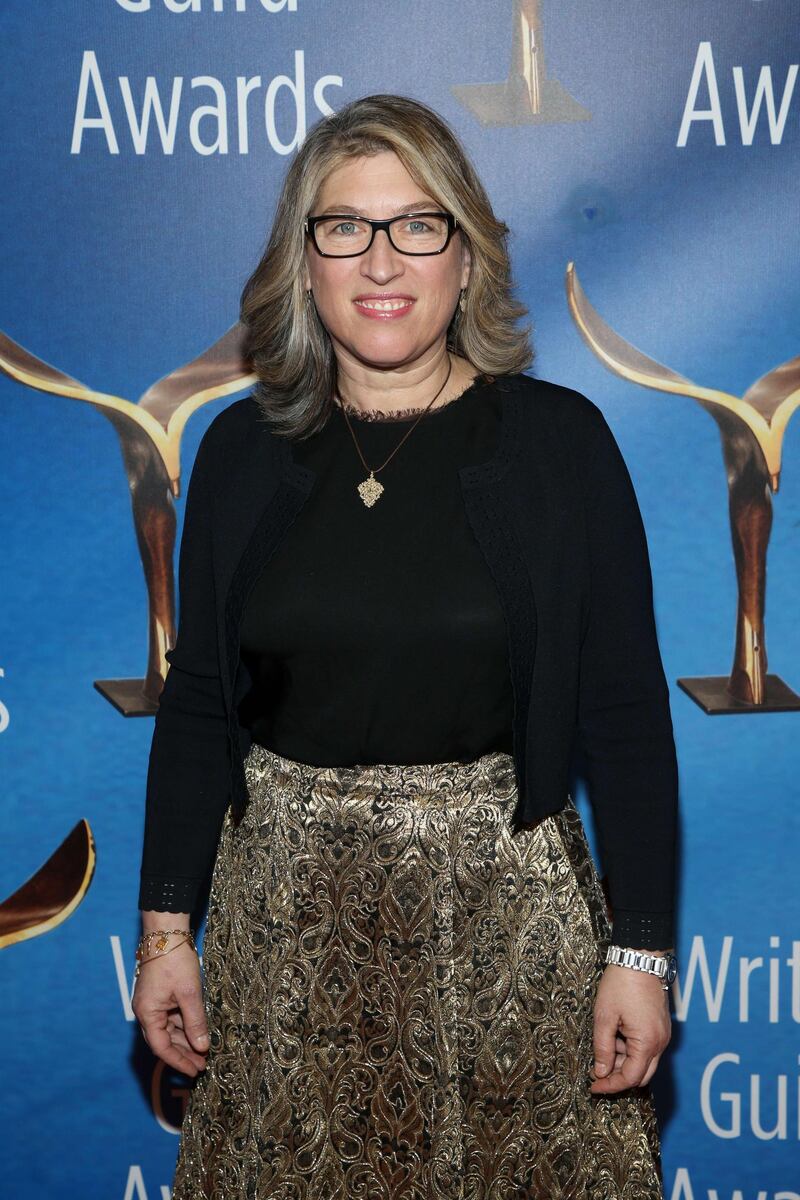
x,y
400,997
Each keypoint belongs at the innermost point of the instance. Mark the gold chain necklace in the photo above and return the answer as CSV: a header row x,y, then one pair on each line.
x,y
370,489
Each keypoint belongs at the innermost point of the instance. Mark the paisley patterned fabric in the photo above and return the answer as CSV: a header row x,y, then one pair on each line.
x,y
400,997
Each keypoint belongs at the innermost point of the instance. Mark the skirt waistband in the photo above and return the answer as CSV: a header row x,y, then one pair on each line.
x,y
495,770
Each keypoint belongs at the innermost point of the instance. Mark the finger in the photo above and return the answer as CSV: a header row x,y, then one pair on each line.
x,y
194,1019
605,1031
179,1040
630,1074
651,1070
179,1062
615,1082
637,1060
619,1045
175,1025
160,1042
161,1045
189,1055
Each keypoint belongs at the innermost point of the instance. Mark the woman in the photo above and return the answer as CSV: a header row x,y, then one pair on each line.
x,y
408,573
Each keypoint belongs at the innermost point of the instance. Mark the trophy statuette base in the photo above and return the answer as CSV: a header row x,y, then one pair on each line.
x,y
712,695
509,103
127,696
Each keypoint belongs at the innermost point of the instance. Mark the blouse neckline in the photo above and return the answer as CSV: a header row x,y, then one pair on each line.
x,y
397,415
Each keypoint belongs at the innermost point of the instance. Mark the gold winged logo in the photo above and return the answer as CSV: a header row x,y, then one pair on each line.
x,y
751,429
149,433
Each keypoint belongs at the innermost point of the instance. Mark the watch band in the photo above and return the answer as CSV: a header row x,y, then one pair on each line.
x,y
665,966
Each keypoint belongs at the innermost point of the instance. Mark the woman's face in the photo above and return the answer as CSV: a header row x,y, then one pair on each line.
x,y
379,186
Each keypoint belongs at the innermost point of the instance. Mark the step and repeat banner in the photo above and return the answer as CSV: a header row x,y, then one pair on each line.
x,y
645,154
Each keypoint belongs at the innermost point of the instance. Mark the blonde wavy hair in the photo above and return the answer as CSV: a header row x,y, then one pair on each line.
x,y
285,340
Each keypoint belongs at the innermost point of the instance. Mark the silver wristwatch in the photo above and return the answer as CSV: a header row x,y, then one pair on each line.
x,y
665,966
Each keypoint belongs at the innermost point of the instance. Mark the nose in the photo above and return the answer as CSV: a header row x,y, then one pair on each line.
x,y
381,261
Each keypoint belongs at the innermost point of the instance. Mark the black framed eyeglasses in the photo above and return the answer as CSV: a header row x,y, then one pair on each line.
x,y
341,235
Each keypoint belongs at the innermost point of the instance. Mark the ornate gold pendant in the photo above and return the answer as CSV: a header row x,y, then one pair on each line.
x,y
370,490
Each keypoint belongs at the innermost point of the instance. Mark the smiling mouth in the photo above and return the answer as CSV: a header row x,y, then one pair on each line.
x,y
384,306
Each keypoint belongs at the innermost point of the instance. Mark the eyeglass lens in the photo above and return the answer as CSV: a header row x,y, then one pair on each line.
x,y
411,235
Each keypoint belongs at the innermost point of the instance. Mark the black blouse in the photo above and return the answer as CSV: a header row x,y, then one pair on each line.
x,y
376,634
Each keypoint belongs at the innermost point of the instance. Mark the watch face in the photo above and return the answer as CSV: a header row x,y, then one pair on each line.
x,y
672,968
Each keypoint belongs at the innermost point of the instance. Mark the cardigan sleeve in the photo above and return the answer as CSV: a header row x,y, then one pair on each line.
x,y
188,775
624,720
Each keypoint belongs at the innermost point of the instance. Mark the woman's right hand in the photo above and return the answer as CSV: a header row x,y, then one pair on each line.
x,y
168,1004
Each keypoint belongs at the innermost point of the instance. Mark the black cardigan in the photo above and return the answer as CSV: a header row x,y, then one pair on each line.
x,y
556,517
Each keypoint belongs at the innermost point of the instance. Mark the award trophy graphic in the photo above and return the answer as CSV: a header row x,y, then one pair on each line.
x,y
149,433
751,429
53,892
527,96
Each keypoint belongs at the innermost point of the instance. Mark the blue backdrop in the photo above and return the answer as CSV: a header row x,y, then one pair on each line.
x,y
671,183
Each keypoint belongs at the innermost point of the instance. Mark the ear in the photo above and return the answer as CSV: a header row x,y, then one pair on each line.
x,y
466,263
304,271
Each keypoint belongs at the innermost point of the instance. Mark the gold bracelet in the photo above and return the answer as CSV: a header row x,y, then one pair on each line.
x,y
143,950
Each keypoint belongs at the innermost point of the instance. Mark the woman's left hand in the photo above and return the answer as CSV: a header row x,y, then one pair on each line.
x,y
632,1027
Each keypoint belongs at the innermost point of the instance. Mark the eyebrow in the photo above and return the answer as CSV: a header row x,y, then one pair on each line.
x,y
415,206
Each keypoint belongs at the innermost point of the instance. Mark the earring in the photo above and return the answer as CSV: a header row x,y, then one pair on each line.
x,y
461,302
